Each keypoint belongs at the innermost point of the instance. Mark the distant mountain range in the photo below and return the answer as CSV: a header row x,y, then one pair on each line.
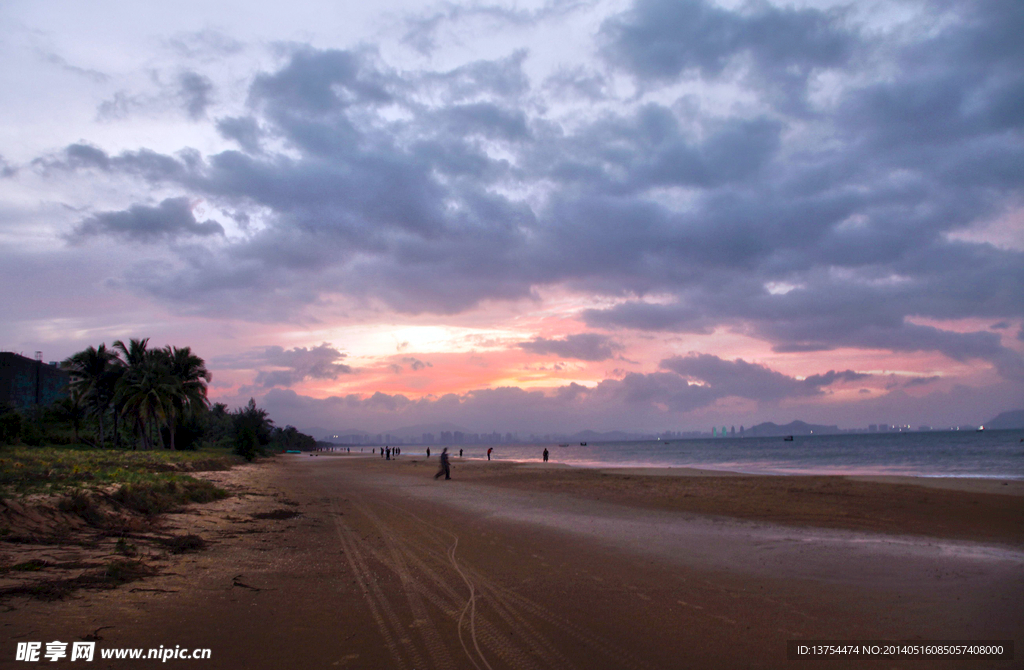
x,y
769,429
1006,420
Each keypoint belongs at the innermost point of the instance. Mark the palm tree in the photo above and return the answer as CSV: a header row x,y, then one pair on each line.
x,y
134,357
192,376
135,353
146,392
90,371
73,409
107,388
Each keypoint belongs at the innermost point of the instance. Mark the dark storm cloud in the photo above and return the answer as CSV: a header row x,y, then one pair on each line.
x,y
751,380
188,90
172,218
194,90
242,129
664,39
583,346
6,169
289,366
321,82
489,120
502,78
650,149
144,163
813,226
646,316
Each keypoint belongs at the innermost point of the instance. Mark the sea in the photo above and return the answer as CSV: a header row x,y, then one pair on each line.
x,y
984,454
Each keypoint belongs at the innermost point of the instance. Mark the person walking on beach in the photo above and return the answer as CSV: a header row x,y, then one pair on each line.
x,y
489,450
460,453
545,454
446,469
428,452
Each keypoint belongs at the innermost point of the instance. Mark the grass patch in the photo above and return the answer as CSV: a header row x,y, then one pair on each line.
x,y
112,575
156,497
84,505
34,565
53,469
125,548
182,544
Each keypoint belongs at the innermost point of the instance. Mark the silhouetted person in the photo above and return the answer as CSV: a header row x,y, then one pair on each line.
x,y
545,454
489,450
428,452
460,453
446,469
387,453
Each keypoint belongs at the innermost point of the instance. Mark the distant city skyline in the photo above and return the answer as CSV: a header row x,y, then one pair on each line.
x,y
539,217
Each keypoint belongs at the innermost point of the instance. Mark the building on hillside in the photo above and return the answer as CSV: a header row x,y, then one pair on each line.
x,y
26,383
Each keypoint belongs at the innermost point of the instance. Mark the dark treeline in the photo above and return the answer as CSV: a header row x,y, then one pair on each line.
x,y
133,396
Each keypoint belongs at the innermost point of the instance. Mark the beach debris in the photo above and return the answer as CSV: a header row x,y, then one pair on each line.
x,y
237,581
95,635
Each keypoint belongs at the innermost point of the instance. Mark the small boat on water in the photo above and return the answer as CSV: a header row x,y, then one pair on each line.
x,y
564,445
583,444
788,438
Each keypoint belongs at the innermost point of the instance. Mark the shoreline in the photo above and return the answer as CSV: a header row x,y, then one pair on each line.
x,y
961,509
1000,485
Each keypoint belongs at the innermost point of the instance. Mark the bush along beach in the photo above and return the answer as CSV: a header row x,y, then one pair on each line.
x,y
125,444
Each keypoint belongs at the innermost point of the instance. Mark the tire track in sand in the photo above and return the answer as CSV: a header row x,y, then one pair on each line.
x,y
512,609
413,589
380,609
462,609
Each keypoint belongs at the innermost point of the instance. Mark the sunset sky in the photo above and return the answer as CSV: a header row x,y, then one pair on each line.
x,y
533,217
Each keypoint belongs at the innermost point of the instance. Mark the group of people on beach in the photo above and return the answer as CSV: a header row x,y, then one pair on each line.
x,y
387,452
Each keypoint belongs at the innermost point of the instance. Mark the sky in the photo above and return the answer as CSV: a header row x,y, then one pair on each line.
x,y
529,217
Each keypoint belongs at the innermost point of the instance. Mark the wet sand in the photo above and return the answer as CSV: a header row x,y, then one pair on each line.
x,y
509,567
953,508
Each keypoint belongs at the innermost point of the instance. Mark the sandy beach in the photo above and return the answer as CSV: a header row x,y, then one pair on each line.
x,y
355,562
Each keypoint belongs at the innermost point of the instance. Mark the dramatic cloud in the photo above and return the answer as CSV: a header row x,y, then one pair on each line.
x,y
414,364
286,367
171,218
195,92
750,380
584,346
740,180
663,39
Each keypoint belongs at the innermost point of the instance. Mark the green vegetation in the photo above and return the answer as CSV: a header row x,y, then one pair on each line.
x,y
152,498
136,417
133,397
39,469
